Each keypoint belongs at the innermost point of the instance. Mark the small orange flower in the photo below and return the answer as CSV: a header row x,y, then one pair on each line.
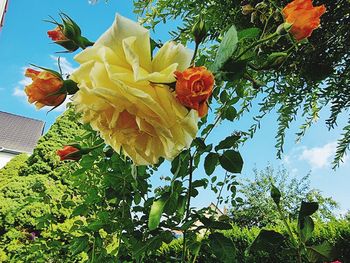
x,y
193,88
57,34
69,153
43,88
304,17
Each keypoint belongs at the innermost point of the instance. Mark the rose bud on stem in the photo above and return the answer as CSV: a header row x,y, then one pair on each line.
x,y
302,18
199,33
70,152
48,87
74,151
68,34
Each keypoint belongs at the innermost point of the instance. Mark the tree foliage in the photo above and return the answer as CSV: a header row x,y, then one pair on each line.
x,y
258,209
31,188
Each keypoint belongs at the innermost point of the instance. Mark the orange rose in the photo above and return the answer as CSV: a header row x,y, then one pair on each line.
x,y
69,153
304,17
43,88
57,34
193,88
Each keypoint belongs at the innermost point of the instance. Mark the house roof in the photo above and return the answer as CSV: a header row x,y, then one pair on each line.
x,y
19,134
3,8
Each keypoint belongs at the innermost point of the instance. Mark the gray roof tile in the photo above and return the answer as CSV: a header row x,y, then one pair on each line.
x,y
18,133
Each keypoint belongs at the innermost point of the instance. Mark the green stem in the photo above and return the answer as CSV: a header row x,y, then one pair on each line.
x,y
194,54
265,26
294,241
260,41
187,206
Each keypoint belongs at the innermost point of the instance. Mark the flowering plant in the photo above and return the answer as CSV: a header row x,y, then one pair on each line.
x,y
146,105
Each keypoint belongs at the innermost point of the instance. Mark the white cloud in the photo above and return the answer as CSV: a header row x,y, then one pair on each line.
x,y
316,157
319,157
66,66
18,90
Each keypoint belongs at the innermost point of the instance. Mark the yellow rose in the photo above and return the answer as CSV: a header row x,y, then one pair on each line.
x,y
119,99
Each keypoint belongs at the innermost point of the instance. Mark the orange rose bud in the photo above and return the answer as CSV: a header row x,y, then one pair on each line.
x,y
304,17
193,88
69,153
44,88
57,34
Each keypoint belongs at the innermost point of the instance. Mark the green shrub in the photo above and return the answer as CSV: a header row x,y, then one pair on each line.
x,y
337,232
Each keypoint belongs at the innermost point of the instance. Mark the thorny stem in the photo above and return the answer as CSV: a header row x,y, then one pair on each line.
x,y
187,205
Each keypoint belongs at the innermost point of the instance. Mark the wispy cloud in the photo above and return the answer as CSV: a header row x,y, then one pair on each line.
x,y
316,157
66,68
319,157
18,92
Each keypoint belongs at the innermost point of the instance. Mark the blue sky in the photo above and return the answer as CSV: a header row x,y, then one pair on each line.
x,y
23,40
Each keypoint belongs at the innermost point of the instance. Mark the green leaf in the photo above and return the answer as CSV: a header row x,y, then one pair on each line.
x,y
95,225
239,200
210,163
275,194
307,208
79,245
230,113
253,32
224,96
214,224
181,205
152,244
228,142
156,212
319,252
200,183
137,198
308,228
226,49
267,240
201,146
80,210
233,70
231,161
223,248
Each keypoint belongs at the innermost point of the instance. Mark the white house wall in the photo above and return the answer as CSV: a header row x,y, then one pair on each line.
x,y
5,158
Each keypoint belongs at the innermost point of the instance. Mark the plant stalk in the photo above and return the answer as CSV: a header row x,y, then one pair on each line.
x,y
187,206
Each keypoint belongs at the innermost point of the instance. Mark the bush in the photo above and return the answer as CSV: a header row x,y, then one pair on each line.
x,y
337,232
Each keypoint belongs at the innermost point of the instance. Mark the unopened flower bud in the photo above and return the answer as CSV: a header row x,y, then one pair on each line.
x,y
199,31
70,152
247,9
275,60
68,34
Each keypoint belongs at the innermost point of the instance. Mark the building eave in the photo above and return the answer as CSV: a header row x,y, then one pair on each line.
x,y
12,151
